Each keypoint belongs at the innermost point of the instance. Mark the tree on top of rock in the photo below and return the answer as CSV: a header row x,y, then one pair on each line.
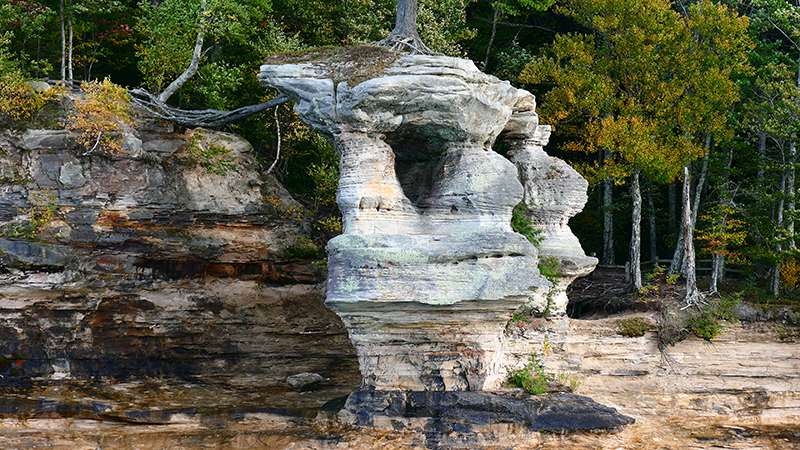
x,y
405,36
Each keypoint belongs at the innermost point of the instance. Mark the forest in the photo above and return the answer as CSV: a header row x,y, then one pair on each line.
x,y
682,114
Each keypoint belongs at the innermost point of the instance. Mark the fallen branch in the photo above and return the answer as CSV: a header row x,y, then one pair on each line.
x,y
209,118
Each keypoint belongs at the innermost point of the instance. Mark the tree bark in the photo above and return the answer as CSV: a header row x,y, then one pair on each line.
x,y
495,18
208,118
636,232
717,261
63,42
790,194
405,36
693,295
678,263
70,77
776,276
608,223
762,152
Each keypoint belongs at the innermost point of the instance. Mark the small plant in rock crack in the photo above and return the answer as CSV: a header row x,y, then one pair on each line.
x,y
531,377
534,380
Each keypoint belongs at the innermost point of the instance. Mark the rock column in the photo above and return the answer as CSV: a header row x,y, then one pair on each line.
x,y
428,272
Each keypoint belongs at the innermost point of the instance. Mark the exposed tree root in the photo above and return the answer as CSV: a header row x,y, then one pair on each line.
x,y
209,118
404,43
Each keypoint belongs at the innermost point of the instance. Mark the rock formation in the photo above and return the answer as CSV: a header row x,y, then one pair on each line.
x,y
155,262
428,271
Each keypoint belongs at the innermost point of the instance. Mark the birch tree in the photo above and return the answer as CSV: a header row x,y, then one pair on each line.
x,y
647,86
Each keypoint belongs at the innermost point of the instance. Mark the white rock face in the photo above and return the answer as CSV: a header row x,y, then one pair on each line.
x,y
428,271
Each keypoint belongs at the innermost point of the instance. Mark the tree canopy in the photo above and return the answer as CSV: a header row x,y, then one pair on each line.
x,y
637,91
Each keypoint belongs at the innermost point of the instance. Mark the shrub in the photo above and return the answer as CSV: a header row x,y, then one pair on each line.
x,y
44,205
633,326
19,104
536,381
531,377
101,116
214,158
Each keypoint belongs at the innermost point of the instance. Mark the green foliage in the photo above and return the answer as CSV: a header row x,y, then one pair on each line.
x,y
645,85
532,377
19,104
40,214
216,159
26,25
710,321
656,280
442,25
523,225
550,268
512,61
723,232
237,38
633,326
303,248
519,7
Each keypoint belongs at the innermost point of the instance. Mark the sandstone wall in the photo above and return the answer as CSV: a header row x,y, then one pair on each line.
x,y
156,263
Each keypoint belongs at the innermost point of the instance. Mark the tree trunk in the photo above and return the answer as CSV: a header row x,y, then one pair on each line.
x,y
717,261
678,258
693,295
495,18
776,276
790,194
70,77
193,64
63,43
608,223
651,213
636,231
405,37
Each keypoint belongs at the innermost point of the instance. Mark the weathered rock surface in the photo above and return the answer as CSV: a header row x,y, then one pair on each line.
x,y
455,419
740,393
304,381
157,263
428,271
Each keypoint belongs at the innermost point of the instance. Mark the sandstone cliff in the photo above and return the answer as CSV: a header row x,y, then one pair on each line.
x,y
156,261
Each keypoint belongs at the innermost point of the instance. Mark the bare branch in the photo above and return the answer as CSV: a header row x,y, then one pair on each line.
x,y
196,55
278,152
209,118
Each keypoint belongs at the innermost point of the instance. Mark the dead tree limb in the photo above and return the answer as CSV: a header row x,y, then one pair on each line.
x,y
209,118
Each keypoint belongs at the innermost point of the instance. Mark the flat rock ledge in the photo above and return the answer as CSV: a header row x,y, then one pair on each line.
x,y
451,419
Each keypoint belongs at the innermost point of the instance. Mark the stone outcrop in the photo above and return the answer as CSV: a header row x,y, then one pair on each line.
x,y
428,271
553,193
157,262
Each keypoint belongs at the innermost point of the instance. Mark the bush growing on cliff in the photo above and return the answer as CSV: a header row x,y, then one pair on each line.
x,y
19,103
101,116
531,377
534,380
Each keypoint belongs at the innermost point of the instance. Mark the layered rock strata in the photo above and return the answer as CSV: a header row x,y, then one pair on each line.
x,y
156,262
554,192
428,271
